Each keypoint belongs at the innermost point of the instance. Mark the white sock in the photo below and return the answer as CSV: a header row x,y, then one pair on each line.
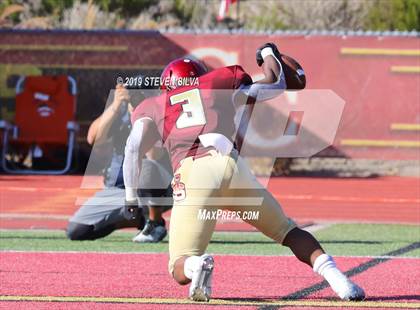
x,y
190,265
325,266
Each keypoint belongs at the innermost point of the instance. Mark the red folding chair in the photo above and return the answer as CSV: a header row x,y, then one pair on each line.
x,y
44,122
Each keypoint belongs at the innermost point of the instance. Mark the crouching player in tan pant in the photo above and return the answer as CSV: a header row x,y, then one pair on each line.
x,y
197,127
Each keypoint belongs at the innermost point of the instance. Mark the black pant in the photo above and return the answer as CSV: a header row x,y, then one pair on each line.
x,y
116,220
77,231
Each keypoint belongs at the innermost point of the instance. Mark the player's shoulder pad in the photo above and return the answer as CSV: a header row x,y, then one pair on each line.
x,y
235,68
240,76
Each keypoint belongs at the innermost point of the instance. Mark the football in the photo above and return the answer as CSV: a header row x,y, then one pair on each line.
x,y
294,74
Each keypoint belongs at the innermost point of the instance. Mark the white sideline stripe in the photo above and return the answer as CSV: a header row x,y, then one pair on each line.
x,y
317,227
33,216
216,254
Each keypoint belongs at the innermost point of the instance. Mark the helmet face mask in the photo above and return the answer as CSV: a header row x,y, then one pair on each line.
x,y
178,69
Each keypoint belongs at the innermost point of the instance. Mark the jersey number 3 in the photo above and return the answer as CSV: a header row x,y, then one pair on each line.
x,y
192,109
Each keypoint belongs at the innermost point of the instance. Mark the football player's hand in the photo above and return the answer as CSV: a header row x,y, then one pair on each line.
x,y
259,57
132,210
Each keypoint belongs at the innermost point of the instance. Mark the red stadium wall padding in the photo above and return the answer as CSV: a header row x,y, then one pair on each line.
x,y
378,77
372,74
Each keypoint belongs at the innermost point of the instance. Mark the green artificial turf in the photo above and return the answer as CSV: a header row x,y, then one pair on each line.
x,y
338,239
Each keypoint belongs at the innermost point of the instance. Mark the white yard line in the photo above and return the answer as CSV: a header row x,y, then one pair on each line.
x,y
165,253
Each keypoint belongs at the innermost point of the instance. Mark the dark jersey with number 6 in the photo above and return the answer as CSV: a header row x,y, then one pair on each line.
x,y
183,114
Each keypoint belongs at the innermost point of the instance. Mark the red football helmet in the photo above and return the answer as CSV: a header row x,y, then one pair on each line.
x,y
180,68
